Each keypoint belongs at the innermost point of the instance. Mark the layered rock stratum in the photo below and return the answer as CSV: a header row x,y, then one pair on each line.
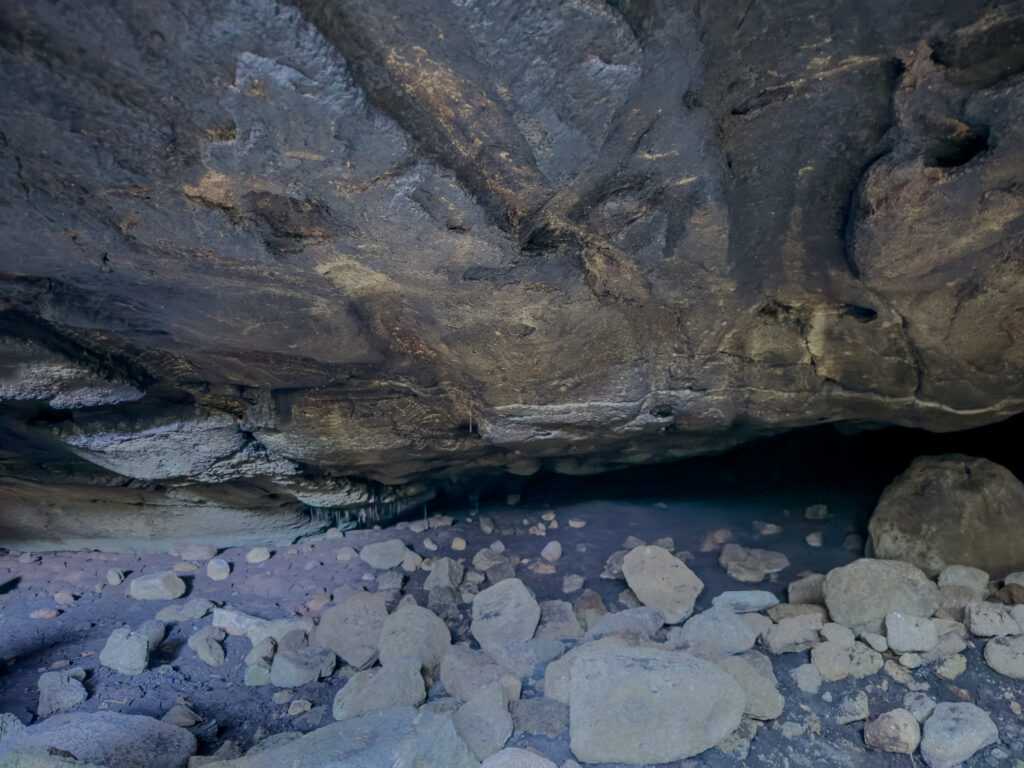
x,y
261,258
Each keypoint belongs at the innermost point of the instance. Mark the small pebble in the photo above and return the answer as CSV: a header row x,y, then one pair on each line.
x,y
347,553
429,545
552,551
813,539
458,543
575,522
257,555
64,598
44,613
299,706
115,576
218,569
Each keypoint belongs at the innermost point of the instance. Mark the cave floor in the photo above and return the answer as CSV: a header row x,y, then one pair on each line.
x,y
806,734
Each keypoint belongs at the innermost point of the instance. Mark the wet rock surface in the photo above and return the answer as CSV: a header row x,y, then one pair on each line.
x,y
632,243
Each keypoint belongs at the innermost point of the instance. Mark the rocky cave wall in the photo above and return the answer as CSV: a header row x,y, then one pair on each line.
x,y
261,258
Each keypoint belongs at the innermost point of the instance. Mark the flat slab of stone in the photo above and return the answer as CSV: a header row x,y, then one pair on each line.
x,y
109,738
662,581
645,705
745,600
400,737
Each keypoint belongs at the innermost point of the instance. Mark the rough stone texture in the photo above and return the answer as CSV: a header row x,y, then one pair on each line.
x,y
465,671
954,732
109,738
755,675
893,731
352,629
414,631
861,594
397,684
1006,656
649,706
514,757
662,581
384,554
484,721
952,510
166,585
506,611
291,669
126,652
401,737
714,633
60,691
217,249
906,634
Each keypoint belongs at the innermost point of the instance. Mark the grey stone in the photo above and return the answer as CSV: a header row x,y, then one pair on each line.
x,y
115,576
193,550
218,569
165,585
852,708
445,573
861,594
832,660
753,671
60,691
292,669
207,645
641,622
558,620
465,671
9,725
793,634
540,717
921,515
808,589
714,633
414,631
384,555
893,731
558,673
275,629
352,629
661,581
745,601
126,652
864,661
1005,655
400,737
181,716
551,552
990,620
484,722
108,739
751,565
195,608
641,705
257,673
506,611
261,651
807,678
398,683
954,733
909,634
154,631
837,633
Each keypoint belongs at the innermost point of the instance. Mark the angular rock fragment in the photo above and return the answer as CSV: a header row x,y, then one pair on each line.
x,y
384,555
954,733
753,671
352,628
126,652
506,611
293,669
861,594
60,691
1005,655
414,631
396,684
166,585
661,581
893,731
207,645
751,565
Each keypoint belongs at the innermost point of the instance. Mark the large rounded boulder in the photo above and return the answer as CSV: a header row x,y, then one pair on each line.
x,y
952,510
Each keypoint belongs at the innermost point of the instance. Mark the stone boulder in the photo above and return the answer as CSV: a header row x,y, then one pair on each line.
x,y
861,594
352,629
954,733
60,691
401,737
165,585
505,612
109,739
414,631
641,705
662,581
952,510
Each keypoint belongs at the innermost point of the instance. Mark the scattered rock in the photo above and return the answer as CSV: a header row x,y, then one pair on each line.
x,y
832,660
166,585
44,613
837,633
791,610
920,705
753,671
9,725
465,671
713,634
181,716
346,554
893,731
400,736
990,620
384,555
551,552
809,589
193,550
852,708
793,634
126,652
352,629
647,705
589,608
513,757
572,583
954,733
60,691
952,667
751,565
257,555
807,678
459,544
207,645
506,611
540,717
908,634
662,581
861,594
558,620
814,539
154,631
257,673
745,601
921,515
397,683
445,573
292,669
486,525
613,565
484,722
115,576
192,609
414,631
1005,655
108,739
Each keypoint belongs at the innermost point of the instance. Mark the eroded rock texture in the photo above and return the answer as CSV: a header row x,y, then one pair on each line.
x,y
326,253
